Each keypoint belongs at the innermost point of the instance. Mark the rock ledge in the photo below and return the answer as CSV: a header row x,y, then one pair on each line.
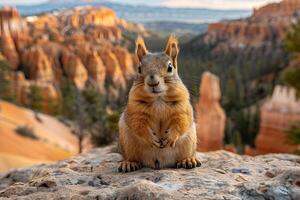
x,y
94,175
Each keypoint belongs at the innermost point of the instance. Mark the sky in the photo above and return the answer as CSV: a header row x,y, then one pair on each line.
x,y
217,4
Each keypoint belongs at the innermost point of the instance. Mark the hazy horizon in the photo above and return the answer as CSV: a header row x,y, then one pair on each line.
x,y
210,4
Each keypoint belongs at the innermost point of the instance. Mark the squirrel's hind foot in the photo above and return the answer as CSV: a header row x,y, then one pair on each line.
x,y
188,163
127,166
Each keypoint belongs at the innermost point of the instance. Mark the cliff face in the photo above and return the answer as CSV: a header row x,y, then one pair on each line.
x,y
13,34
210,117
250,40
94,175
37,64
284,8
266,25
277,115
79,44
22,88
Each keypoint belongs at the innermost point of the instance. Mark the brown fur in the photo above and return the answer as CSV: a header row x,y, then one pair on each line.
x,y
157,128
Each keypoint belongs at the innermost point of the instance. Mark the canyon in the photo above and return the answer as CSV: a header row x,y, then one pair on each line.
x,y
248,55
81,44
267,26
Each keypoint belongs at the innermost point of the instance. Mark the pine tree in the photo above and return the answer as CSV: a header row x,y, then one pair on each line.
x,y
35,98
292,78
292,75
68,93
292,39
102,121
6,91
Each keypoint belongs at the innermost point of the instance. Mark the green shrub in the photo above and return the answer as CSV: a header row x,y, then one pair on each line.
x,y
26,131
294,133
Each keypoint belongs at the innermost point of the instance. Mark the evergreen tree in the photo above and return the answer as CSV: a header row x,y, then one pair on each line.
x,y
35,98
292,78
102,121
68,93
81,118
294,133
6,91
292,75
292,39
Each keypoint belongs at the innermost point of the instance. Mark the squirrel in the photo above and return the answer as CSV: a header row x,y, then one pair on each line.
x,y
157,128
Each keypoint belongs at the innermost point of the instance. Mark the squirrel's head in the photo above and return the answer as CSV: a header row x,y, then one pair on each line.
x,y
157,70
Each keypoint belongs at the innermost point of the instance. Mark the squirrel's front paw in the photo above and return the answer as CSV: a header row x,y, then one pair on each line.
x,y
127,166
171,140
152,139
188,163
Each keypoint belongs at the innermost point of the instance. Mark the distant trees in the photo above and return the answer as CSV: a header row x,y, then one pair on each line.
x,y
292,78
102,123
6,91
292,45
292,74
292,39
35,98
91,115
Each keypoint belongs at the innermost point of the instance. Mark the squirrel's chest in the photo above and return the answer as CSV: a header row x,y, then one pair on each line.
x,y
160,107
160,112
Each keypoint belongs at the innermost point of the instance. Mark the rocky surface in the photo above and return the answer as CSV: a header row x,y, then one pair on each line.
x,y
210,116
94,175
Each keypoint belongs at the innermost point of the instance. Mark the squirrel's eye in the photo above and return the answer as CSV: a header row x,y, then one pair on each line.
x,y
140,70
170,67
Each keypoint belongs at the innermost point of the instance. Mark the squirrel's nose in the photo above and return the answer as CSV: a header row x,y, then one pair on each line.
x,y
151,76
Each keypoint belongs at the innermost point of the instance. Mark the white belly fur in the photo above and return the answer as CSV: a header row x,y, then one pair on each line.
x,y
166,157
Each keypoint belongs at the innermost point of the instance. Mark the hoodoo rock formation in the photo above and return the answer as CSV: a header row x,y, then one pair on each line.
x,y
96,70
37,64
277,114
22,88
74,69
125,60
94,175
113,68
210,117
79,44
13,32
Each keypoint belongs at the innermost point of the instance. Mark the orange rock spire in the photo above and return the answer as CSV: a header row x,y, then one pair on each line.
x,y
210,117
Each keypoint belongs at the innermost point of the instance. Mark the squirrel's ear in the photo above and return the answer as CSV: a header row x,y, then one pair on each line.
x,y
141,49
172,49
